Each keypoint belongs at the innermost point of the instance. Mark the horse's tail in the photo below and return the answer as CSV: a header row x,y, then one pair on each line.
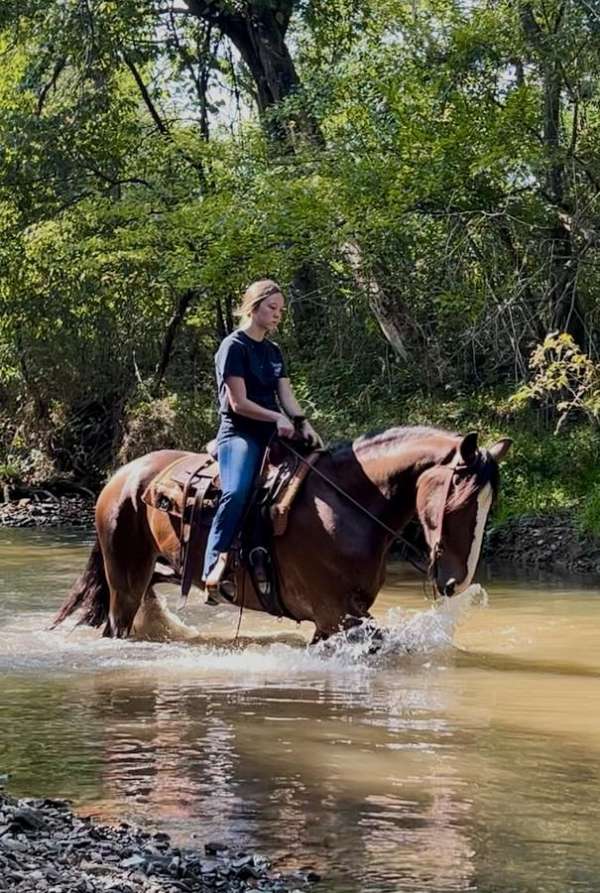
x,y
89,593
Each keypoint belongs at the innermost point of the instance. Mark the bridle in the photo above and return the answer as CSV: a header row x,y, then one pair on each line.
x,y
456,468
435,547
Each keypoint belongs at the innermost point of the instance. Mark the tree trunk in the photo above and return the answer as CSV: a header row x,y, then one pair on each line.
x,y
224,319
259,36
386,312
564,310
41,405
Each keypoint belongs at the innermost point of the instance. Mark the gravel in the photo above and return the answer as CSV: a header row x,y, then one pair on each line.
x,y
45,846
71,511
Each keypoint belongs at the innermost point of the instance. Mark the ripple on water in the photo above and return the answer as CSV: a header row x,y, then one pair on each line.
x,y
28,644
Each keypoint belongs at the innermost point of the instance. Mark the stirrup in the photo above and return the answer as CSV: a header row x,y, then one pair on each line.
x,y
259,560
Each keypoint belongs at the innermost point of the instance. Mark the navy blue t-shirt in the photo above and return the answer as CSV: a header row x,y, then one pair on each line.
x,y
260,364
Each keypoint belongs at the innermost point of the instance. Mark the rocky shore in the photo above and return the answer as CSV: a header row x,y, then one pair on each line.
x,y
52,511
44,846
547,543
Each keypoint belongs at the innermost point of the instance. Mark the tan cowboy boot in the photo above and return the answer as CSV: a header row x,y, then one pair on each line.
x,y
213,580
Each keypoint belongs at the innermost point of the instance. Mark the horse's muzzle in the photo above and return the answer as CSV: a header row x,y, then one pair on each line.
x,y
450,587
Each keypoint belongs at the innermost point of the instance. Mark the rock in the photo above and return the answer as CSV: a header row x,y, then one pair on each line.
x,y
133,862
54,512
27,820
45,847
211,849
545,543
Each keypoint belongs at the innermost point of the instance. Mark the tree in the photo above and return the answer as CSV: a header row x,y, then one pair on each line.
x,y
258,31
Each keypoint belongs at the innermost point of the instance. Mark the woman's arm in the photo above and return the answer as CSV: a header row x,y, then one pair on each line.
x,y
287,398
290,405
236,394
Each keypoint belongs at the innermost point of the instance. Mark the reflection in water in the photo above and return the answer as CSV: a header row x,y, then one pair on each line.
x,y
435,767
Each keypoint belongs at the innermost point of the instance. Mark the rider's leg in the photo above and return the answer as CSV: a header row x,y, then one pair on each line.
x,y
240,458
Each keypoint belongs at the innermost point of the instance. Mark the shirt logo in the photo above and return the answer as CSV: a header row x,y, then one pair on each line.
x,y
277,368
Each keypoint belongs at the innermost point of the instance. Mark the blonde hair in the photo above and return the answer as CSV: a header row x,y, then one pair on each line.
x,y
254,295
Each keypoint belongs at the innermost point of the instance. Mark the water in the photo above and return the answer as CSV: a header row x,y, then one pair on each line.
x,y
464,756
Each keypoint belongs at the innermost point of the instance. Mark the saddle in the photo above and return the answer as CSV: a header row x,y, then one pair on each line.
x,y
189,490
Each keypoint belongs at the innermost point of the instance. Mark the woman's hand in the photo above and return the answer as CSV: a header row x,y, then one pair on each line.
x,y
308,433
285,428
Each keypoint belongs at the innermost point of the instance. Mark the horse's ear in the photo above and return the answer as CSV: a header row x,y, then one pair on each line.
x,y
499,450
468,448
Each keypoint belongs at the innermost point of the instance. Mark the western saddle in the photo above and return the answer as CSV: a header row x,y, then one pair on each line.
x,y
189,489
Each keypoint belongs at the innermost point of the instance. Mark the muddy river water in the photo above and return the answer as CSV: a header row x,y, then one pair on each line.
x,y
465,756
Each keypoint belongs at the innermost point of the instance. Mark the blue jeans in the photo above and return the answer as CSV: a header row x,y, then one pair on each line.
x,y
240,457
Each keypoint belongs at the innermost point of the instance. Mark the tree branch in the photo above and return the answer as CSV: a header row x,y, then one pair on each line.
x,y
160,124
181,308
58,68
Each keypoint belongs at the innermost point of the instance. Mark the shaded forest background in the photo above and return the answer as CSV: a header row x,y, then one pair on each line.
x,y
423,179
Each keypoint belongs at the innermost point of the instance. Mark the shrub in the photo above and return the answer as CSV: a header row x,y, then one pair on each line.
x,y
170,422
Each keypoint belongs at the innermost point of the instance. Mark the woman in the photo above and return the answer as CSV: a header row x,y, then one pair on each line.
x,y
253,390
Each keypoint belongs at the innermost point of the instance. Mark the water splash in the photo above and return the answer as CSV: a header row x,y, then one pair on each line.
x,y
26,644
403,633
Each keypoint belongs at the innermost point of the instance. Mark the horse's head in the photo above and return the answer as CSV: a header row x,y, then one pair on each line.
x,y
454,498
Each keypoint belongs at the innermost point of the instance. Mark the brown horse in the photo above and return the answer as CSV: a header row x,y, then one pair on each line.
x,y
332,557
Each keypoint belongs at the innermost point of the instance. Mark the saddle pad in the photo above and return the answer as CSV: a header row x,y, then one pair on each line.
x,y
167,491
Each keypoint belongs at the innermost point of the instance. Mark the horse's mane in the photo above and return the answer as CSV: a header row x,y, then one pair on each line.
x,y
381,440
484,472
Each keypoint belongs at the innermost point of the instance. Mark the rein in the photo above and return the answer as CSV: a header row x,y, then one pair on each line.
x,y
395,535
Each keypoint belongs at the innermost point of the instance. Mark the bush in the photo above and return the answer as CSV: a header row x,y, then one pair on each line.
x,y
565,382
589,514
174,421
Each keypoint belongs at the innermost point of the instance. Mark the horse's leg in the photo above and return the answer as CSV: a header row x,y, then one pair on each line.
x,y
364,624
126,594
129,558
155,622
350,609
319,636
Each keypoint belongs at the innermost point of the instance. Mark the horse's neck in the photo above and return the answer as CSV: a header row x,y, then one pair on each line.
x,y
395,469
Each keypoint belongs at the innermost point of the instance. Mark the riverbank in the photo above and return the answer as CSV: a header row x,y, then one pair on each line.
x,y
45,846
551,543
48,511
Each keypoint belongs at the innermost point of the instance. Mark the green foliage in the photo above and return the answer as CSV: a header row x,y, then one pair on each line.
x,y
589,515
171,422
427,240
10,472
565,381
